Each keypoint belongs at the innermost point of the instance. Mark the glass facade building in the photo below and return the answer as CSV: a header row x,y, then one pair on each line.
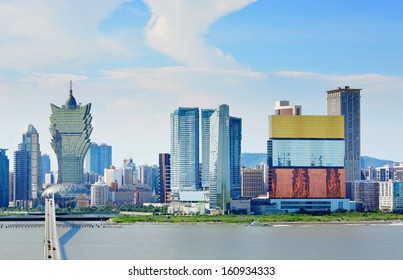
x,y
205,130
164,182
235,139
346,102
184,151
4,177
98,158
306,156
70,130
219,169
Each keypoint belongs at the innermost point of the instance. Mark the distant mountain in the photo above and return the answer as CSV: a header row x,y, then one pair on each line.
x,y
250,160
374,162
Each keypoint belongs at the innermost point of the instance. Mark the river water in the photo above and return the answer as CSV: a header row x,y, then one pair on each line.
x,y
211,242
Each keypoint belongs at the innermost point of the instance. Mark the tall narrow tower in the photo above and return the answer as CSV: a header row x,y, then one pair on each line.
x,y
30,139
184,151
70,129
4,177
346,102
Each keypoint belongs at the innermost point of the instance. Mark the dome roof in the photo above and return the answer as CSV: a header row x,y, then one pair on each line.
x,y
71,102
66,191
30,129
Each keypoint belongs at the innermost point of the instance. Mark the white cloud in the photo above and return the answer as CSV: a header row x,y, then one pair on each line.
x,y
177,28
39,33
373,82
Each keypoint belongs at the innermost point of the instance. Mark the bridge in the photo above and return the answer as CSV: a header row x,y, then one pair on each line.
x,y
51,250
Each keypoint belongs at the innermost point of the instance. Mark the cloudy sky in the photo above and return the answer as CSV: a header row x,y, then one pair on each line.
x,y
137,61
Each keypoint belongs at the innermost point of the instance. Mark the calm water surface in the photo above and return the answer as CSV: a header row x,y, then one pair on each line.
x,y
205,242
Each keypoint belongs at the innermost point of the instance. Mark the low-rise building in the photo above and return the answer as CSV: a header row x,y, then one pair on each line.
x,y
366,195
391,196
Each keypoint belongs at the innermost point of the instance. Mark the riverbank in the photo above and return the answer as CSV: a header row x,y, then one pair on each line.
x,y
288,218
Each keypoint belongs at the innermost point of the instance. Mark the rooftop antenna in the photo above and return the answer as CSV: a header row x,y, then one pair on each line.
x,y
71,87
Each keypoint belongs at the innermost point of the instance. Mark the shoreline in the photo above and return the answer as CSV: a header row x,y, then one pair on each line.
x,y
382,222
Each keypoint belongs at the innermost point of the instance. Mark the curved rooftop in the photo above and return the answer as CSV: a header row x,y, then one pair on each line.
x,y
30,129
71,102
66,191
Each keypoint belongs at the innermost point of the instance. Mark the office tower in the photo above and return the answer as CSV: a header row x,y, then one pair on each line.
x,y
70,130
346,102
130,164
252,182
30,145
98,158
306,156
45,166
235,139
127,173
11,186
4,177
283,107
220,180
113,175
205,130
164,184
22,190
184,151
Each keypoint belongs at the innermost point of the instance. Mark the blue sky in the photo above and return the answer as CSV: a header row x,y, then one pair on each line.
x,y
137,61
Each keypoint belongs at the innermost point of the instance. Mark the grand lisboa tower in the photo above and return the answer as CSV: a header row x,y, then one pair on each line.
x,y
70,129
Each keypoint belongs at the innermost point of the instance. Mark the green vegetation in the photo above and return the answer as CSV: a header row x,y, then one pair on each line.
x,y
323,217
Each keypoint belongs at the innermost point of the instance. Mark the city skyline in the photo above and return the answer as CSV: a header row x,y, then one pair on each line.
x,y
245,53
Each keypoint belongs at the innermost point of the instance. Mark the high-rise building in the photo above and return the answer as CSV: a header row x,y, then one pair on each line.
x,y
252,182
283,107
45,166
113,175
346,102
4,177
184,151
30,139
21,191
384,173
99,194
164,184
306,156
235,139
27,167
205,130
224,161
98,158
220,180
70,130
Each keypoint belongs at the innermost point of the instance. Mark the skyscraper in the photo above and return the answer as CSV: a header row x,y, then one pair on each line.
x,y
98,158
346,102
70,130
306,157
164,184
235,139
27,167
45,166
21,191
220,178
4,177
30,139
184,151
205,130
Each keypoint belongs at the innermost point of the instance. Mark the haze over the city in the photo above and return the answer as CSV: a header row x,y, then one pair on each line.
x,y
137,61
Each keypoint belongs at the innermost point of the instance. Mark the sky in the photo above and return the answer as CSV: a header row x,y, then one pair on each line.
x,y
137,61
